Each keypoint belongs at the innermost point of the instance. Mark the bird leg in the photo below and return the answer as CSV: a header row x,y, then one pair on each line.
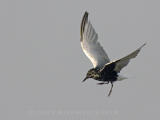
x,y
102,83
110,89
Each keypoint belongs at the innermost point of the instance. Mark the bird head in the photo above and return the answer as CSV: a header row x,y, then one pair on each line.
x,y
92,73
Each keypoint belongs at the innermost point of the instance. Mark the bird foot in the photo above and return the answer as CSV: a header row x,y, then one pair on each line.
x,y
102,83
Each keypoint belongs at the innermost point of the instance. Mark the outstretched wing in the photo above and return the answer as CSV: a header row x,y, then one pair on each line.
x,y
121,63
91,47
125,60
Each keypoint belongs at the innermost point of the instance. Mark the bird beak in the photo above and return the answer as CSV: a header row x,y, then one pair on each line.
x,y
85,79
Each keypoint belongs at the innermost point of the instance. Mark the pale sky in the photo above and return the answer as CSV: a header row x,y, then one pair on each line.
x,y
42,64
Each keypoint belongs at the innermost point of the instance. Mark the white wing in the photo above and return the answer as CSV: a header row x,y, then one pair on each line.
x,y
119,64
91,47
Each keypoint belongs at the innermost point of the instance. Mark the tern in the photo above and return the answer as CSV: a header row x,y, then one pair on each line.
x,y
103,69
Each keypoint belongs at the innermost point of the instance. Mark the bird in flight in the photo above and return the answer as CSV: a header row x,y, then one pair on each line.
x,y
103,70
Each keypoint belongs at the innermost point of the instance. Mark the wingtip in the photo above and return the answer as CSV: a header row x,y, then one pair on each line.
x,y
86,13
143,45
84,20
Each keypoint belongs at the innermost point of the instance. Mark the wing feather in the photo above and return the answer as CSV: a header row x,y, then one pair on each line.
x,y
121,63
90,46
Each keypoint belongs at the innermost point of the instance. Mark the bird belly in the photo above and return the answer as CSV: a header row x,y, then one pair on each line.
x,y
110,76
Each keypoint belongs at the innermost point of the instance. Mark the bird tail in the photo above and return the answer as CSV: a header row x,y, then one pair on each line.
x,y
120,77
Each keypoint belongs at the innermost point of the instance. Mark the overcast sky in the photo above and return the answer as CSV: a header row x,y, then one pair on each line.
x,y
42,64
